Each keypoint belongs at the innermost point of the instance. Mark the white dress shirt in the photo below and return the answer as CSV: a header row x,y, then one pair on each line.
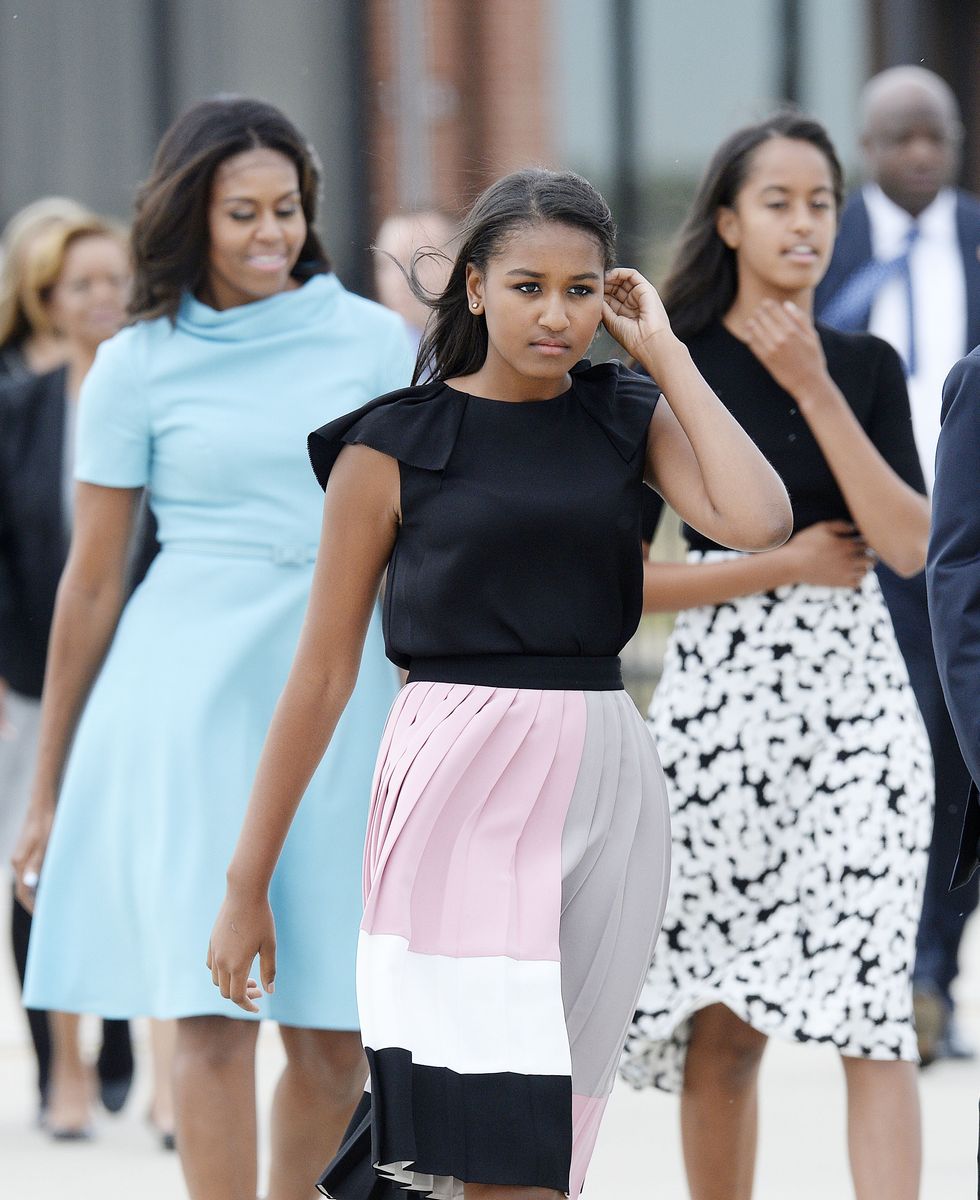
x,y
938,299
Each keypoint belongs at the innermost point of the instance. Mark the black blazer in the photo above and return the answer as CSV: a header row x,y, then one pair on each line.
x,y
853,249
33,528
953,581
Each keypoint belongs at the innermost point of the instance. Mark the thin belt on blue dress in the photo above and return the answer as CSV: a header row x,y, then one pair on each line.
x,y
547,672
284,555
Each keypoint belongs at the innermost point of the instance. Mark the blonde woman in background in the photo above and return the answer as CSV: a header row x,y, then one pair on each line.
x,y
28,342
66,279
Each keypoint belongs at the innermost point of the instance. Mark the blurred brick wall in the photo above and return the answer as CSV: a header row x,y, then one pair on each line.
x,y
944,36
486,81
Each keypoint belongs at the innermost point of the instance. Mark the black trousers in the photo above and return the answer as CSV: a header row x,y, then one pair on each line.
x,y
115,1057
944,913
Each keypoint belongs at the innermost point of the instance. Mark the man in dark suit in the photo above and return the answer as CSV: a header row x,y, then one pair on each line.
x,y
907,267
953,573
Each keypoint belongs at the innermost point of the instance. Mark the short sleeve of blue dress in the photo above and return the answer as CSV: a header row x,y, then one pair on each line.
x,y
113,439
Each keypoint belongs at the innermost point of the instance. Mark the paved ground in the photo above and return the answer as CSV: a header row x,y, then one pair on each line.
x,y
801,1154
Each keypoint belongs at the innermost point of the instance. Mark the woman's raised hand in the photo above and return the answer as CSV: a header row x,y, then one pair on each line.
x,y
632,311
243,930
784,340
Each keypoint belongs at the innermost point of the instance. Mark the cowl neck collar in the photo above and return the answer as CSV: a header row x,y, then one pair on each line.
x,y
261,318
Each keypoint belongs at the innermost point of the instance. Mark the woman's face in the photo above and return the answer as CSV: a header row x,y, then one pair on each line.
x,y
541,295
256,228
784,219
87,303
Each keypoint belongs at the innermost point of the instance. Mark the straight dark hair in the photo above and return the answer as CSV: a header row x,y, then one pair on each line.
x,y
703,278
455,339
170,232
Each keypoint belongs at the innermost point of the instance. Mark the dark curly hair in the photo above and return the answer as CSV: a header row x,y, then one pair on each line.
x,y
170,232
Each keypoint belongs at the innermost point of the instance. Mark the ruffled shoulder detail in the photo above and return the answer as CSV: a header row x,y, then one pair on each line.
x,y
416,425
619,400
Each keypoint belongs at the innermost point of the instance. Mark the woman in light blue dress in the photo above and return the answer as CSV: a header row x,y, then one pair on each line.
x,y
244,341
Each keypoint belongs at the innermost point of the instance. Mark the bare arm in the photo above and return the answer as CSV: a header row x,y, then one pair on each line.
x,y
672,586
828,554
892,516
90,598
699,458
360,524
705,465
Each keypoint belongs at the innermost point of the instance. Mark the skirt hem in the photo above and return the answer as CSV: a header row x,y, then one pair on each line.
x,y
670,1078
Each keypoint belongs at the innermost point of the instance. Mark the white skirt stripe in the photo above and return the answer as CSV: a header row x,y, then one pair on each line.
x,y
470,1015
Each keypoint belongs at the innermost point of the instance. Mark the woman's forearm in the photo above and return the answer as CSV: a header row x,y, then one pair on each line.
x,y
670,587
82,630
302,726
356,544
892,517
741,499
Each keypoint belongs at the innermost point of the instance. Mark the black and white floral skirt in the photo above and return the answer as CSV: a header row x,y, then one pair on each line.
x,y
800,784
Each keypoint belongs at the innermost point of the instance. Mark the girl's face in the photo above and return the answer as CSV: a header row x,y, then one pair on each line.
x,y
87,303
541,295
256,227
784,219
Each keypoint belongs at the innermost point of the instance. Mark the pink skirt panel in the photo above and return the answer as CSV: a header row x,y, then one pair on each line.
x,y
464,838
515,877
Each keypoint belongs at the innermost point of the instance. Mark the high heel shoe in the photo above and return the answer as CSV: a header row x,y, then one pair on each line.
x,y
72,1129
82,1133
114,1092
167,1137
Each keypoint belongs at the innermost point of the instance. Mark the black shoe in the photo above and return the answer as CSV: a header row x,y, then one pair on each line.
x,y
115,1064
168,1139
114,1092
84,1134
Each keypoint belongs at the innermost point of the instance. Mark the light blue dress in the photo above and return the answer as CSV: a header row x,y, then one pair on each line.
x,y
212,415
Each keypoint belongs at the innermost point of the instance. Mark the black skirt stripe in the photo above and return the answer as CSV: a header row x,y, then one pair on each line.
x,y
351,1175
501,1128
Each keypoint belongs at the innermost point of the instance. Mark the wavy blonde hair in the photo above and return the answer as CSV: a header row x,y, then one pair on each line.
x,y
18,242
41,263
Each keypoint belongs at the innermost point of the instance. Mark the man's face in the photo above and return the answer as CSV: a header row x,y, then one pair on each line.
x,y
911,145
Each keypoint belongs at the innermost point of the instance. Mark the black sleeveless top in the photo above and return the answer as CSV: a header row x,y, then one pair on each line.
x,y
518,560
869,374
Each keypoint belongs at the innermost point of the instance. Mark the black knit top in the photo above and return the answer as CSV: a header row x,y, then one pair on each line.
x,y
869,374
519,548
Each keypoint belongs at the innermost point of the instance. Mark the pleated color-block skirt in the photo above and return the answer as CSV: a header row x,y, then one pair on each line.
x,y
515,878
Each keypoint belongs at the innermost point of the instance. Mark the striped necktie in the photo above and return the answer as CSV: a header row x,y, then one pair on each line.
x,y
850,307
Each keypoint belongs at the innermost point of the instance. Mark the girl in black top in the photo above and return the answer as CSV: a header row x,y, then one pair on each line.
x,y
516,856
796,760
